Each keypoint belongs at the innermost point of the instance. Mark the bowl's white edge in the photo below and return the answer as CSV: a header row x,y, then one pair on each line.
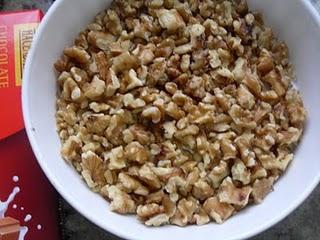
x,y
28,126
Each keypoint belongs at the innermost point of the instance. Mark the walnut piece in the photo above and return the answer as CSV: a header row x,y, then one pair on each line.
x,y
228,193
121,202
217,210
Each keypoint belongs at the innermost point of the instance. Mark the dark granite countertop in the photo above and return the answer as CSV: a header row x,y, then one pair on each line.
x,y
303,223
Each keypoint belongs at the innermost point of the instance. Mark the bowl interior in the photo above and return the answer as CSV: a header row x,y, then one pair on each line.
x,y
294,21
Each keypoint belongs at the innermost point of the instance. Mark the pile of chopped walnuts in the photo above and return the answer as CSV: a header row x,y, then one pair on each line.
x,y
181,112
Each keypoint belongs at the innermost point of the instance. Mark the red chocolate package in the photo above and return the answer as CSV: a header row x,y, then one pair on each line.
x,y
16,33
27,199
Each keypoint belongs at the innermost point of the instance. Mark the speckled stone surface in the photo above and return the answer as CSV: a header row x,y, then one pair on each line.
x,y
302,224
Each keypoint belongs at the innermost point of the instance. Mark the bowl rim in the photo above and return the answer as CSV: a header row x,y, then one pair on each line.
x,y
309,7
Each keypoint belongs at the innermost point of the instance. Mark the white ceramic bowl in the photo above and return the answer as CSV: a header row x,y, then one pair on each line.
x,y
295,21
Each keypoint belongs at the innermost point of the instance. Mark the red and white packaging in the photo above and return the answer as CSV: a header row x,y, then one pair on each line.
x,y
25,193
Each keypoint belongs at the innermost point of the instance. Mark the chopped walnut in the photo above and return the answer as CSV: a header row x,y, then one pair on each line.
x,y
265,64
132,185
152,113
124,61
201,218
181,112
170,19
185,63
129,101
95,89
112,22
296,111
158,220
228,149
70,90
96,122
218,173
149,177
148,210
79,75
244,143
202,190
240,172
100,39
245,98
229,193
261,187
70,148
134,81
95,167
78,54
217,210
271,162
112,83
135,152
241,117
121,202
116,158
214,59
184,213
169,206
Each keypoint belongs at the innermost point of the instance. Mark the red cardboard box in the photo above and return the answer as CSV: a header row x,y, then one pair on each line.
x,y
25,193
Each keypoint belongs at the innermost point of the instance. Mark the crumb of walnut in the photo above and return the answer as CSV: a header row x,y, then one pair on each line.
x,y
178,112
